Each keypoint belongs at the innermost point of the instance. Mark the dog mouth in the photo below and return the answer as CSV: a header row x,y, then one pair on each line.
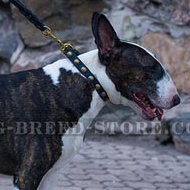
x,y
148,109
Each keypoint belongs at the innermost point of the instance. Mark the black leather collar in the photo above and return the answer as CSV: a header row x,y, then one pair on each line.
x,y
72,55
70,52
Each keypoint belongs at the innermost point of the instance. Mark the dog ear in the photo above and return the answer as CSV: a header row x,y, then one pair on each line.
x,y
105,36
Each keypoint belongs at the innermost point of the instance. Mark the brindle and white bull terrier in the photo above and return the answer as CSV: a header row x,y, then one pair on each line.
x,y
59,93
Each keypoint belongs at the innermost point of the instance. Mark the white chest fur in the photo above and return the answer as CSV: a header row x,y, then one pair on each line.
x,y
72,141
73,138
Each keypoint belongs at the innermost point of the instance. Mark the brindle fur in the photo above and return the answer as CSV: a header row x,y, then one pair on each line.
x,y
30,96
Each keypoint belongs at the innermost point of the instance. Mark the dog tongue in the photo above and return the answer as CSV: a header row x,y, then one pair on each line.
x,y
149,111
159,113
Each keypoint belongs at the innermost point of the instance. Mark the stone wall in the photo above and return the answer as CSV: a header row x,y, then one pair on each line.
x,y
162,26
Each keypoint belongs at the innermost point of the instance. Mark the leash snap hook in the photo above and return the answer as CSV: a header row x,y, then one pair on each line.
x,y
48,32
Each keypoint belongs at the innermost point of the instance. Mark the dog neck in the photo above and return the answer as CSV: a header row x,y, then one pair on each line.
x,y
91,60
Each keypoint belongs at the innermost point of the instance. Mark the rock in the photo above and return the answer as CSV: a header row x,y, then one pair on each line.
x,y
122,22
181,133
4,67
176,126
4,1
8,47
85,11
61,16
74,3
11,49
52,15
35,58
176,12
162,26
160,31
164,136
174,54
10,43
167,40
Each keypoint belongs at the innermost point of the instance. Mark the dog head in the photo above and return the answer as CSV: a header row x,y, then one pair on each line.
x,y
136,74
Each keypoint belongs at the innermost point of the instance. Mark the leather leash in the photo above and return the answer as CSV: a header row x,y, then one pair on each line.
x,y
67,49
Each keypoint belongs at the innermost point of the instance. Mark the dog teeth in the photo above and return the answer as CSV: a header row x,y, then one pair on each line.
x,y
154,110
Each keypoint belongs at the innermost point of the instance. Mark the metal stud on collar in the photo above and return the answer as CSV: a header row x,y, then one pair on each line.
x,y
76,61
86,73
91,78
66,48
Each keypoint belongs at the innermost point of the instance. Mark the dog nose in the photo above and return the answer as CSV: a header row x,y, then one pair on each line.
x,y
176,100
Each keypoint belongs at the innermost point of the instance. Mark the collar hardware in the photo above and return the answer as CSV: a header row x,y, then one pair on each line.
x,y
72,54
66,49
